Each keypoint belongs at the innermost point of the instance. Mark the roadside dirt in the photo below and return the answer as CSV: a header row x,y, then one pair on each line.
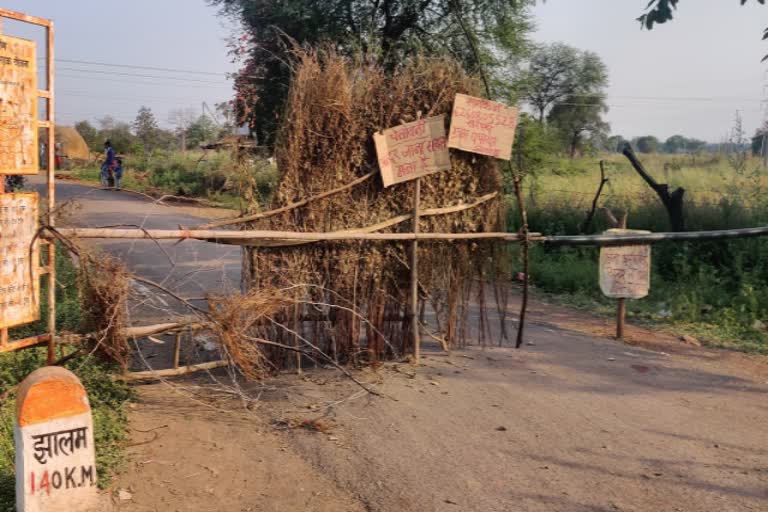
x,y
572,423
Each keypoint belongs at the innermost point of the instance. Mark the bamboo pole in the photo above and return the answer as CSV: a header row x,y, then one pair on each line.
x,y
415,275
229,236
176,350
173,372
620,316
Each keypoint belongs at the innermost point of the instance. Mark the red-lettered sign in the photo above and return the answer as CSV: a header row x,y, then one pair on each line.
x,y
483,126
412,150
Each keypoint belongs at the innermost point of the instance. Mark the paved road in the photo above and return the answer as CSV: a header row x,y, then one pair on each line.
x,y
191,268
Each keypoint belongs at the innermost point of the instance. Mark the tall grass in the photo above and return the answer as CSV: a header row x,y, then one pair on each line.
x,y
716,289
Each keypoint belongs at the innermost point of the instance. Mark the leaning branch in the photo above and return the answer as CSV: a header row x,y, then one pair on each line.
x,y
286,208
673,202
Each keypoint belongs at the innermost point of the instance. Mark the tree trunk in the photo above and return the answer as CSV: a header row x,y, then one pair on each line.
x,y
673,202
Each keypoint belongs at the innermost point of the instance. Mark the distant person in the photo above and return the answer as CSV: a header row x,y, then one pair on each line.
x,y
118,173
108,165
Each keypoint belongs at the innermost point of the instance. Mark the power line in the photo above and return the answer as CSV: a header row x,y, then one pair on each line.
x,y
122,81
140,75
146,68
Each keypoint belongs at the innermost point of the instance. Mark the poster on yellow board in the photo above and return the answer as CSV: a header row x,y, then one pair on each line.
x,y
19,152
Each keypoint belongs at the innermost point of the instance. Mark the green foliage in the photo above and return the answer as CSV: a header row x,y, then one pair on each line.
x,y
211,176
647,144
202,130
577,116
90,135
558,73
119,134
715,290
145,127
388,31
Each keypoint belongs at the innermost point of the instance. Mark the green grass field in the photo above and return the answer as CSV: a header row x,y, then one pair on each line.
x,y
716,290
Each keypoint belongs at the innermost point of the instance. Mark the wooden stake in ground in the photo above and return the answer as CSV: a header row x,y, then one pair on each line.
x,y
620,316
415,275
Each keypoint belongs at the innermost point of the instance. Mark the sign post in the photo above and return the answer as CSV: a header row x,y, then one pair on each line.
x,y
55,455
408,152
625,273
20,155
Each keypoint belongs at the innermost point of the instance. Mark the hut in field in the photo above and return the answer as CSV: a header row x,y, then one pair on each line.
x,y
71,146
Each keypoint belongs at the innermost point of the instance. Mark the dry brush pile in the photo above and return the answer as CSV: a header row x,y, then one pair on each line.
x,y
351,298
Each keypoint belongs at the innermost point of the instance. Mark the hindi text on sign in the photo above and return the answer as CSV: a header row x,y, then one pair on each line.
x,y
19,259
483,126
625,271
412,150
18,106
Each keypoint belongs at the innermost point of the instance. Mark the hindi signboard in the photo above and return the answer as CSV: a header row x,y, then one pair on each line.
x,y
19,259
55,455
483,126
412,150
18,106
625,270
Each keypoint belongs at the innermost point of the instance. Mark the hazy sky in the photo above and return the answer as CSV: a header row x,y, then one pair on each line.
x,y
689,76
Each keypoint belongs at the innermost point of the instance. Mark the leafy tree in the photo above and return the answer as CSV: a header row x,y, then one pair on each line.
x,y
387,31
680,144
647,144
615,144
146,129
576,117
117,132
202,130
558,71
90,135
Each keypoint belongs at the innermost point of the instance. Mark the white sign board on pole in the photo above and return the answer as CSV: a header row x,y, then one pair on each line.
x,y
625,270
412,150
483,126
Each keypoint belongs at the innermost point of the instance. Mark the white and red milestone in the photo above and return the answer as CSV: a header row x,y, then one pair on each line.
x,y
55,457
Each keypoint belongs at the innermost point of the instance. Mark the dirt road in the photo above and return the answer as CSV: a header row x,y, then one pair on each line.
x,y
573,422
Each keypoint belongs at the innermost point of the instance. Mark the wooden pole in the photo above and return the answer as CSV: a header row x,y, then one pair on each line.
x,y
50,111
177,350
621,314
415,275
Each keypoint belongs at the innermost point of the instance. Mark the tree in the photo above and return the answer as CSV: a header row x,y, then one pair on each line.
x,y
90,135
576,116
675,144
118,133
202,130
615,144
387,31
146,129
647,144
558,71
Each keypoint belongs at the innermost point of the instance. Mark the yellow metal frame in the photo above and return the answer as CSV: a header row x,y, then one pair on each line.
x,y
48,123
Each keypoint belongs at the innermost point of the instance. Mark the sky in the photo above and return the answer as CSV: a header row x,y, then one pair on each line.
x,y
689,76
167,34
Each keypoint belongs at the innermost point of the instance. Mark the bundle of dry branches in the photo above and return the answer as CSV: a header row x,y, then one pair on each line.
x,y
335,105
104,288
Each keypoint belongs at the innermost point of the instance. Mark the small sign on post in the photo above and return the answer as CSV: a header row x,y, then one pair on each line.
x,y
412,150
483,126
19,259
625,273
18,106
55,456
